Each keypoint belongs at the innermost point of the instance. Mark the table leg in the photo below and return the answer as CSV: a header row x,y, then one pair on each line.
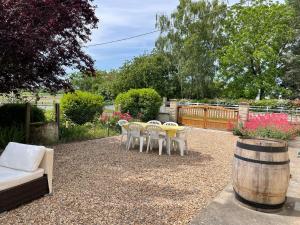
x,y
169,145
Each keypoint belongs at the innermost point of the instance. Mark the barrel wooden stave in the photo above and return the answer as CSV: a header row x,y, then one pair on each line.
x,y
258,182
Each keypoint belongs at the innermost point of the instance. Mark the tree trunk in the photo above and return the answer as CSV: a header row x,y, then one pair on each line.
x,y
258,96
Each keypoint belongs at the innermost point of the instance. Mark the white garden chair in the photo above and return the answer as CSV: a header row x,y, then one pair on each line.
x,y
134,133
124,132
181,140
155,133
156,122
171,124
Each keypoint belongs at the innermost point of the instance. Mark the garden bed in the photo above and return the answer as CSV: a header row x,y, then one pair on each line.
x,y
97,183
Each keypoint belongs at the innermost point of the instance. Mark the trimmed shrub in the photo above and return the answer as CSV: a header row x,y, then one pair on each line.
x,y
12,133
81,107
14,114
140,103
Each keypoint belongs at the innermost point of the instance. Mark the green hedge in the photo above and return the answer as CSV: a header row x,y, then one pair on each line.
x,y
12,121
12,133
140,103
81,107
14,114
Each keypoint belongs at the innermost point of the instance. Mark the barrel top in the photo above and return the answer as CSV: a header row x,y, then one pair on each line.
x,y
262,145
263,142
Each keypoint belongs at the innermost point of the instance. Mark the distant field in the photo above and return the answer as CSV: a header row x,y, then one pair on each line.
x,y
45,101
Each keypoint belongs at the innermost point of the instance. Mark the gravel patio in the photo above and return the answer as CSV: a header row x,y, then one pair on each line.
x,y
95,182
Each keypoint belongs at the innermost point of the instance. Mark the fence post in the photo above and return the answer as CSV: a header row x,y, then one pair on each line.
x,y
173,110
243,113
27,122
57,114
162,109
205,118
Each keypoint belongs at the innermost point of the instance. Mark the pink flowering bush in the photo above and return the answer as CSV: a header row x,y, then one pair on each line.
x,y
112,120
269,125
277,121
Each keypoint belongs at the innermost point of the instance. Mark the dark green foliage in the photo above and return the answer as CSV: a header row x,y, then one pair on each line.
x,y
291,78
12,133
192,35
258,35
142,103
155,70
82,107
102,83
14,114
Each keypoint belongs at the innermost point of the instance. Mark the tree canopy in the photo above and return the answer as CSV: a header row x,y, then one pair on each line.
x,y
192,36
148,71
291,78
101,83
258,36
205,49
40,39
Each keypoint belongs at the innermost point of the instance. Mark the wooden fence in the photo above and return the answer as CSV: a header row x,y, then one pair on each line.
x,y
205,116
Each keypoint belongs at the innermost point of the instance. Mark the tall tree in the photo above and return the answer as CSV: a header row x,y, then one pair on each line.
x,y
192,35
258,36
101,83
148,71
39,39
291,78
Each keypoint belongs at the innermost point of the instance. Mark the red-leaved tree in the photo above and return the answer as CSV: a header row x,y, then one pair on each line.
x,y
39,39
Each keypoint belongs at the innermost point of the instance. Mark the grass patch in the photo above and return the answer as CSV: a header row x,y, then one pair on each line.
x,y
84,132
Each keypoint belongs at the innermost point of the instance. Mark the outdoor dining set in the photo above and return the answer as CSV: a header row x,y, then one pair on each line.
x,y
154,133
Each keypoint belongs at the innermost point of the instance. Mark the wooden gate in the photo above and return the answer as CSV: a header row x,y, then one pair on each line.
x,y
205,116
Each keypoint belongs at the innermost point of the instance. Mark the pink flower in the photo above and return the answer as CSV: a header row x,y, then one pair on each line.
x,y
278,121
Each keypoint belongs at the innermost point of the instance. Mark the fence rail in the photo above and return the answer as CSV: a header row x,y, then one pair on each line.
x,y
294,114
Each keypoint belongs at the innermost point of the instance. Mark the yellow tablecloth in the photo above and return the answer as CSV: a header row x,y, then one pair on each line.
x,y
170,130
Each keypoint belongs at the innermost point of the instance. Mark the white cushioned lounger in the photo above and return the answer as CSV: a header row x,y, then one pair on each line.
x,y
25,174
10,177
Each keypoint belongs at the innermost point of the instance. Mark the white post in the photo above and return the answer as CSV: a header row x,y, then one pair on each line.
x,y
243,112
173,110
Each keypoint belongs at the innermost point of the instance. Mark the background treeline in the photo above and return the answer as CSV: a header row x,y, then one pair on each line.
x,y
207,49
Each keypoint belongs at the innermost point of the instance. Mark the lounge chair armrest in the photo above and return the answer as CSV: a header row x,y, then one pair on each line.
x,y
47,165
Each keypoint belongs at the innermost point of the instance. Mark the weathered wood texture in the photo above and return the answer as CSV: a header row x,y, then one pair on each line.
x,y
261,172
205,116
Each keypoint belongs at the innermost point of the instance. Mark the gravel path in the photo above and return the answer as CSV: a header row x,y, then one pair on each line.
x,y
98,183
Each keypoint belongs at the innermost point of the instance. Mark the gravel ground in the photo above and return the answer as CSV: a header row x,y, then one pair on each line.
x,y
95,182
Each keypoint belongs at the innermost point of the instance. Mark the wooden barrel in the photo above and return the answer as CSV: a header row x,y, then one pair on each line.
x,y
261,173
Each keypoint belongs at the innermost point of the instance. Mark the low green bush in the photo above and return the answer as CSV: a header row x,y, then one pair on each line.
x,y
273,103
14,114
140,103
81,107
84,132
12,133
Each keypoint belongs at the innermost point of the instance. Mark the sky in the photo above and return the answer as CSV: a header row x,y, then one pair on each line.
x,y
124,18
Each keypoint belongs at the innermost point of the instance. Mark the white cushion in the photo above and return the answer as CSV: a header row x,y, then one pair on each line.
x,y
22,157
11,177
